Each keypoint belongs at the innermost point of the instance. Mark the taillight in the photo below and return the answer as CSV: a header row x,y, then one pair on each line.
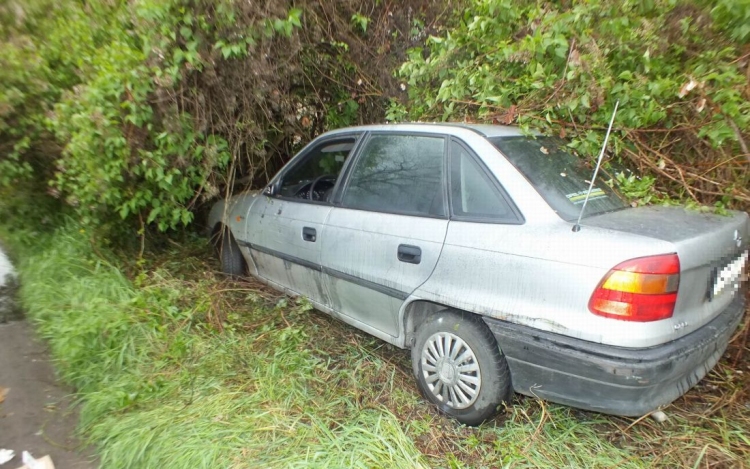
x,y
642,290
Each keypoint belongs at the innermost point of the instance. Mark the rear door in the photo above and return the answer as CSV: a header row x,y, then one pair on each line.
x,y
384,235
284,229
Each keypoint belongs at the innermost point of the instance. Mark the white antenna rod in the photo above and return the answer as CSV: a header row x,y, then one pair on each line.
x,y
577,226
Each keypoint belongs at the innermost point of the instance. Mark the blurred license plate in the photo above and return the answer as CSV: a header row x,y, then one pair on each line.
x,y
729,275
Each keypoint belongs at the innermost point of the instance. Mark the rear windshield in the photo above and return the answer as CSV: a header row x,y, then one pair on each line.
x,y
560,177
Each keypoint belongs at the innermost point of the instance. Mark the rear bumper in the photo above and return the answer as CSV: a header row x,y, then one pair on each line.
x,y
608,379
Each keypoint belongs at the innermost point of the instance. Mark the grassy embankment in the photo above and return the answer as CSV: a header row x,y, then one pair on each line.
x,y
177,367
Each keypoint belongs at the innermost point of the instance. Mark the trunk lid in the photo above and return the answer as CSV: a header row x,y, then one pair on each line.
x,y
711,248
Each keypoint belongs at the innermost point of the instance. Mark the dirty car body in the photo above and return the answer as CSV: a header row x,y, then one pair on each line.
x,y
412,232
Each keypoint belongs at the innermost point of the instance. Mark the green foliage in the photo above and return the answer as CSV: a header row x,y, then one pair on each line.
x,y
87,78
166,382
35,72
118,157
175,368
124,156
137,113
360,21
638,189
285,26
677,74
733,16
396,112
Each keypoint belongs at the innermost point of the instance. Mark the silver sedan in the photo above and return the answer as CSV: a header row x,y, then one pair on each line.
x,y
457,242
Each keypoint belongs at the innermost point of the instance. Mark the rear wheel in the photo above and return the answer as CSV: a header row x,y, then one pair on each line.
x,y
232,261
460,368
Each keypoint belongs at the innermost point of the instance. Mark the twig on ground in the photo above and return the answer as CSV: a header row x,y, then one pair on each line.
x,y
638,420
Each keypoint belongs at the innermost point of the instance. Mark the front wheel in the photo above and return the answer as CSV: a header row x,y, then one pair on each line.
x,y
232,261
460,368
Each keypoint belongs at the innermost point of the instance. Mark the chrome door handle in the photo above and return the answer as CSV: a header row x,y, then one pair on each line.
x,y
409,254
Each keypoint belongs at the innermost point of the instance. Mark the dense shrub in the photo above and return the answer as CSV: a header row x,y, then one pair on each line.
x,y
144,110
679,69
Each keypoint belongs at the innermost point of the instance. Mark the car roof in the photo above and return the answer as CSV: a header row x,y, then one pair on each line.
x,y
486,130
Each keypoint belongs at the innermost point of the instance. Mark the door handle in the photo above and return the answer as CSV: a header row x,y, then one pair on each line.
x,y
309,234
409,254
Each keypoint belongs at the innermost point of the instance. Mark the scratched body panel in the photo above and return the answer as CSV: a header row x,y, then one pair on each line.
x,y
364,245
278,228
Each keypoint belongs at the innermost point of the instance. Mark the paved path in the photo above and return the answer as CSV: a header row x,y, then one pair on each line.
x,y
35,415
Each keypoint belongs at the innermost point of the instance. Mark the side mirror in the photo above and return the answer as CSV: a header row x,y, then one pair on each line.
x,y
271,189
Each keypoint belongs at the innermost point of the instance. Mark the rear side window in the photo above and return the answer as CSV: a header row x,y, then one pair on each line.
x,y
473,194
399,174
561,178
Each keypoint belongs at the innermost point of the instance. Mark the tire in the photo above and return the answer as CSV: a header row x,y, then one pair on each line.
x,y
469,396
232,262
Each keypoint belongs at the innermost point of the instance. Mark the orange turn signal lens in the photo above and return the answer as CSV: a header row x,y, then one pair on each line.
x,y
633,282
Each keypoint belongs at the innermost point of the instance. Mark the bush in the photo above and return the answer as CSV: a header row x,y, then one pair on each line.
x,y
677,69
136,113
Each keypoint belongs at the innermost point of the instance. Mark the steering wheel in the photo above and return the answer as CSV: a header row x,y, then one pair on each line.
x,y
311,191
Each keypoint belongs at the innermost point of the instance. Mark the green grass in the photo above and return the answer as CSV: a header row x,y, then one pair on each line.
x,y
178,367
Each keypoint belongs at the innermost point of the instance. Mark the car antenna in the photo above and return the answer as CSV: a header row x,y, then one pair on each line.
x,y
577,226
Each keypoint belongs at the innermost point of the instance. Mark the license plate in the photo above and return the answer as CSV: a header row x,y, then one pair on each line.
x,y
729,275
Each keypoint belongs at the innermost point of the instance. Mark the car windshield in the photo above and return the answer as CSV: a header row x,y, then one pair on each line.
x,y
561,178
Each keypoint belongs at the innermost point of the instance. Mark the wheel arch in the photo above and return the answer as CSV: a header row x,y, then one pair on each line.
x,y
415,313
418,311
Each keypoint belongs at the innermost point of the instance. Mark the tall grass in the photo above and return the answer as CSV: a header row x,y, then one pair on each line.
x,y
165,382
175,366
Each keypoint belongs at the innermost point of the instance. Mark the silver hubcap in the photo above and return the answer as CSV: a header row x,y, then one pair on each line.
x,y
451,370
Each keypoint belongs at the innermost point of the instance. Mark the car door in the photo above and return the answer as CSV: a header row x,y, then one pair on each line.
x,y
383,237
285,225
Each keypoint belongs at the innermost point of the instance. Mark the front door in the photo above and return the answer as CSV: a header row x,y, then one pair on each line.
x,y
285,228
383,238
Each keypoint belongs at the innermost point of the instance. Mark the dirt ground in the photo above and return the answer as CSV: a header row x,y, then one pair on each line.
x,y
36,414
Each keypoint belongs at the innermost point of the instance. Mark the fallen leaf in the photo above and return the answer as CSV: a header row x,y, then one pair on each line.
x,y
575,58
701,105
544,150
687,88
510,116
3,393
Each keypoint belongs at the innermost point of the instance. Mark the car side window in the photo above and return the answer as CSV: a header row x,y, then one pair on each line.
x,y
400,174
473,195
314,177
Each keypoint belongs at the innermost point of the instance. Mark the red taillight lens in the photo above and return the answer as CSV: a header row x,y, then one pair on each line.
x,y
642,290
